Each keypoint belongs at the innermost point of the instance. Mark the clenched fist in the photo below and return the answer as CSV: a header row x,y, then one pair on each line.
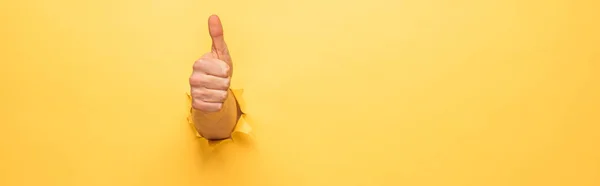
x,y
215,110
211,74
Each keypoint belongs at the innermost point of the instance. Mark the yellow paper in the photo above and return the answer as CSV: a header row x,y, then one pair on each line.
x,y
338,92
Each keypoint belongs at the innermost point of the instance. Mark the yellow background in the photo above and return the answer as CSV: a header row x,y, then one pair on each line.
x,y
377,92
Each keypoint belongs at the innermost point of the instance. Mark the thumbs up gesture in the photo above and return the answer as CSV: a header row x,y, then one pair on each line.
x,y
211,76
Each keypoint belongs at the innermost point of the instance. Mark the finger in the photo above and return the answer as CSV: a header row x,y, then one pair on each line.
x,y
209,95
215,28
205,106
212,66
209,82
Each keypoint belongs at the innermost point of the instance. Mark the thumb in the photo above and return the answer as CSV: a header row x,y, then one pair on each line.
x,y
218,41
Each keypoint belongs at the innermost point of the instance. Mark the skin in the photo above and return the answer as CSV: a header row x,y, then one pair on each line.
x,y
215,110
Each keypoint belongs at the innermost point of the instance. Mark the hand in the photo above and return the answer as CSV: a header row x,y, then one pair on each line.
x,y
211,77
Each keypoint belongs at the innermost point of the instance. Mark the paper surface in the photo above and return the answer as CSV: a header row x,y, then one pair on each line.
x,y
338,92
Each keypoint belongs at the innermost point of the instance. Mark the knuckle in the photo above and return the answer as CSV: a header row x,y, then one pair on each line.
x,y
195,80
194,93
227,83
198,105
227,70
223,95
197,64
211,108
205,107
